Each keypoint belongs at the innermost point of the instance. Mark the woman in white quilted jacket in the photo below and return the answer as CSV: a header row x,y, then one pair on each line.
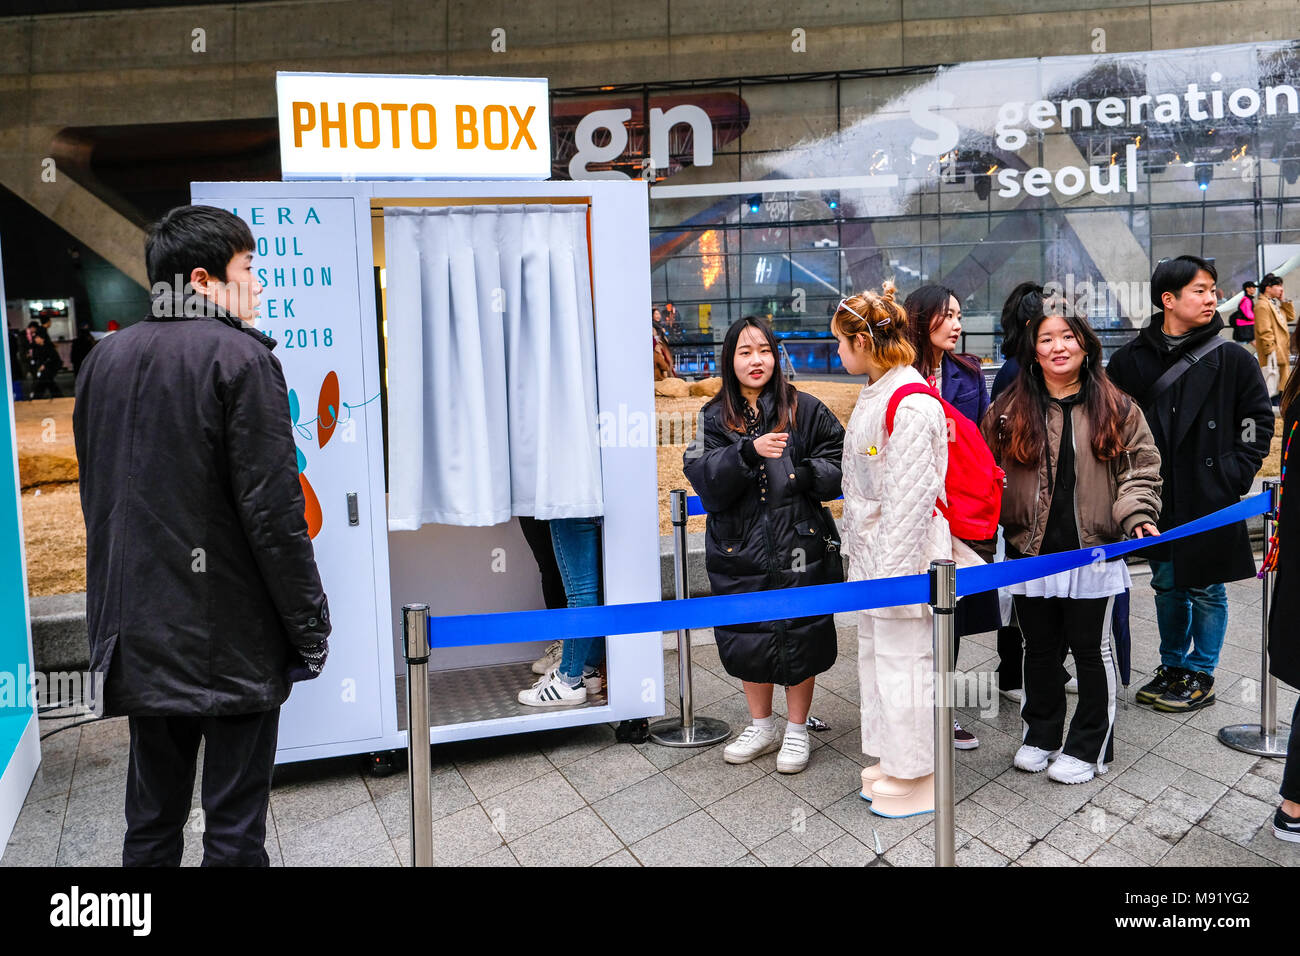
x,y
891,527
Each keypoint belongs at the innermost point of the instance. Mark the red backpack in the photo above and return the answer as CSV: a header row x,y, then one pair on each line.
x,y
974,480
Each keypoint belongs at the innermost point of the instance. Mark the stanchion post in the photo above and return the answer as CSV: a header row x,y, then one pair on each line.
x,y
689,730
415,648
1264,739
943,601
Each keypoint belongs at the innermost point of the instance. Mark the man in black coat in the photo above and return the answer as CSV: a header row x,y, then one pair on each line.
x,y
203,602
1212,421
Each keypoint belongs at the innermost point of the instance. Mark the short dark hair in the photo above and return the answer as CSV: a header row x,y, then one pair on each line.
x,y
1269,280
1174,275
1248,285
195,237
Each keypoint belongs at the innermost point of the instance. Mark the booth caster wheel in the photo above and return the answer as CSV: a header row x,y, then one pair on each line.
x,y
380,764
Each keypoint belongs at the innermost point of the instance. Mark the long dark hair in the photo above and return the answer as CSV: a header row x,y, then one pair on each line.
x,y
924,306
730,397
1023,305
1023,435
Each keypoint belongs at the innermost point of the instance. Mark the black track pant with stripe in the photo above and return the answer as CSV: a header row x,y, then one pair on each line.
x,y
1050,625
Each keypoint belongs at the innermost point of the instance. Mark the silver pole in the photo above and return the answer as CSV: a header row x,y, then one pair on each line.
x,y
415,648
1265,739
689,730
943,601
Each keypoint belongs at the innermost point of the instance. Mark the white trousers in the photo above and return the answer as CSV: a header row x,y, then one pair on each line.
x,y
896,681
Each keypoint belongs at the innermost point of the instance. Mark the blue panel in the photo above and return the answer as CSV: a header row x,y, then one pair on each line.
x,y
15,665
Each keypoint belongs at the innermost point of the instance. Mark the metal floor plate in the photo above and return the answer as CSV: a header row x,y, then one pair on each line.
x,y
471,694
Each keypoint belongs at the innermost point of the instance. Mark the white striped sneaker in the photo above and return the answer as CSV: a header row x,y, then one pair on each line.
x,y
552,691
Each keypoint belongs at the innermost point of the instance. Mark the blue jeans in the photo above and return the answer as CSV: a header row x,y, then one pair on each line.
x,y
1192,621
577,552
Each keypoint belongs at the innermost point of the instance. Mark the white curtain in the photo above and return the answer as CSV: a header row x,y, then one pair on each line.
x,y
491,365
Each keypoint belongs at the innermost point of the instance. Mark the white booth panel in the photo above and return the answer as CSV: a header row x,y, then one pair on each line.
x,y
458,570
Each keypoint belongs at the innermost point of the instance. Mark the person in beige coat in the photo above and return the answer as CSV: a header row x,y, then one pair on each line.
x,y
1273,318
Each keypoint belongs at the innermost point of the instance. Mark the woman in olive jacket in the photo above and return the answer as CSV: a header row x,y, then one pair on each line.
x,y
1082,470
764,460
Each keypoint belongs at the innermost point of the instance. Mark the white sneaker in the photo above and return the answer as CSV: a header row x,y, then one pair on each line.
x,y
552,691
1072,685
1067,769
794,753
751,743
1034,759
1015,694
549,660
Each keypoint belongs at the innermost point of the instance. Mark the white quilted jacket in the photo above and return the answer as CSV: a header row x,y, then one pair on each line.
x,y
891,483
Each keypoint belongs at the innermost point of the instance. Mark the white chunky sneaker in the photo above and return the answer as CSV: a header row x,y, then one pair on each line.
x,y
794,753
549,660
1034,759
751,743
552,691
1067,769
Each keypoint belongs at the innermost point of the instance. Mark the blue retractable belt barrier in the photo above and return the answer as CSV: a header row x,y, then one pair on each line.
x,y
693,506
515,627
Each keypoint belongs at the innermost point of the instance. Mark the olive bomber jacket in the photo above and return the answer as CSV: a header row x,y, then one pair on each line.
x,y
1111,497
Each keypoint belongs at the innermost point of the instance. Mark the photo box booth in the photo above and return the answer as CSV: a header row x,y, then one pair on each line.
x,y
458,354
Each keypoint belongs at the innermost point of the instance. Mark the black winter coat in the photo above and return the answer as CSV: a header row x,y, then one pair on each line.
x,y
1284,611
750,543
1213,428
200,575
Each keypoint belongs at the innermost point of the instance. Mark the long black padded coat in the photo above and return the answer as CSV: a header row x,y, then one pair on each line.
x,y
200,574
759,542
1213,428
1284,610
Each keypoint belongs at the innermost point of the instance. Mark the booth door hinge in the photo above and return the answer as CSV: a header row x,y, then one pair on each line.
x,y
354,519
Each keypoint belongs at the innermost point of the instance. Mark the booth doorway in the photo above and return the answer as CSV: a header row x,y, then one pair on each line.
x,y
466,685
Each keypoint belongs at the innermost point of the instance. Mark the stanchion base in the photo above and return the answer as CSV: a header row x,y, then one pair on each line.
x,y
1250,738
705,732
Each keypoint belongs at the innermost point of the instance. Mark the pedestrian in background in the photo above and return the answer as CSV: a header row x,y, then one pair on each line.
x,y
203,602
1243,317
1273,317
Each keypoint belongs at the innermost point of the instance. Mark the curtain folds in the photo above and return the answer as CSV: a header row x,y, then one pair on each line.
x,y
491,365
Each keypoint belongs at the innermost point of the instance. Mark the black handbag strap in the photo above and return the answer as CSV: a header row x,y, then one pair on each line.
x,y
1175,371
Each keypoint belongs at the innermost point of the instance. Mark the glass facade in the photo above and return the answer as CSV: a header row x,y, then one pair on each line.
x,y
1080,170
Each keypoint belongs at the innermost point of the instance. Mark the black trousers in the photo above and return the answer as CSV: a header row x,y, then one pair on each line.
x,y
1011,650
538,535
1291,773
237,762
1050,626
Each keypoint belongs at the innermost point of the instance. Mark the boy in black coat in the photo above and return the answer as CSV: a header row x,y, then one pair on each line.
x,y
1212,421
203,602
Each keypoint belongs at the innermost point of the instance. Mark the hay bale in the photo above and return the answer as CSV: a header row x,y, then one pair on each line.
x,y
46,452
672,388
55,537
707,387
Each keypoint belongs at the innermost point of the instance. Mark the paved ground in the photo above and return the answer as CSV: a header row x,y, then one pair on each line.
x,y
1174,795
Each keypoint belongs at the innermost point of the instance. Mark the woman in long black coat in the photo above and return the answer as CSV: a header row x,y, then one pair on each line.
x,y
764,461
1284,611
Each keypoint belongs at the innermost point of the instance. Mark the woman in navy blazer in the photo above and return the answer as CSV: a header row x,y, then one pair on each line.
x,y
934,318
934,313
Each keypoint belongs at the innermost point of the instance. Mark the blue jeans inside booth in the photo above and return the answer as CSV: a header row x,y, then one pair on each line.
x,y
577,552
1192,621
